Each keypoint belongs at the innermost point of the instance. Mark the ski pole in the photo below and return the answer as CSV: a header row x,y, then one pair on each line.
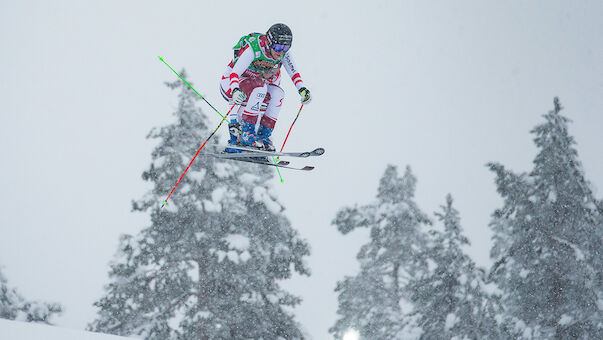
x,y
192,160
189,85
298,112
278,158
283,146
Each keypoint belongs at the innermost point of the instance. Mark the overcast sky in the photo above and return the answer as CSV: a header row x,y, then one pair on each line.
x,y
442,86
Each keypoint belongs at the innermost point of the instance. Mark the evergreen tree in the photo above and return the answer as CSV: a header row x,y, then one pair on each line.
x,y
371,302
14,307
451,299
209,265
548,241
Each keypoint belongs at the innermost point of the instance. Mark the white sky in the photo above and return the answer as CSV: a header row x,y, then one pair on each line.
x,y
442,86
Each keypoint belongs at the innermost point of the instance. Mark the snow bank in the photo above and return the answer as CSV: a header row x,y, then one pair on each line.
x,y
16,330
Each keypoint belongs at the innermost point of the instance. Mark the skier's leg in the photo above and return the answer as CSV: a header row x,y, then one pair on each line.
x,y
256,91
234,128
275,98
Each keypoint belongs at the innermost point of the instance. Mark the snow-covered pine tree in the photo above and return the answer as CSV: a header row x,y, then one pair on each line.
x,y
209,265
451,300
371,302
13,306
548,241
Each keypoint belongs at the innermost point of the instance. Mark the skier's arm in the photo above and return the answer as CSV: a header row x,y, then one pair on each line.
x,y
292,71
296,78
242,64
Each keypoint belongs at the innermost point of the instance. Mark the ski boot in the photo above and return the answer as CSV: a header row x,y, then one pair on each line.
x,y
264,136
234,128
248,136
250,139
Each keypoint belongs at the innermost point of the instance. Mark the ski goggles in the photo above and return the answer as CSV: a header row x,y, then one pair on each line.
x,y
280,47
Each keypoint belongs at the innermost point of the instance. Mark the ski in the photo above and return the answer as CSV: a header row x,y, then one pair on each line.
x,y
258,160
248,151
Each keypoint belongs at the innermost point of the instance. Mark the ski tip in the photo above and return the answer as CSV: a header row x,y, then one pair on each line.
x,y
318,152
163,204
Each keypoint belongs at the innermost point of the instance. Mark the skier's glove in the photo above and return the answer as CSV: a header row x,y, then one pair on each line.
x,y
238,96
305,95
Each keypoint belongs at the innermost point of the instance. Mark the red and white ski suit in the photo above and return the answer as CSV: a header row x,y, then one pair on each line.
x,y
264,95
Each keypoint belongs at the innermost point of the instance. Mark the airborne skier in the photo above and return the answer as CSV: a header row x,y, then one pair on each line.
x,y
252,81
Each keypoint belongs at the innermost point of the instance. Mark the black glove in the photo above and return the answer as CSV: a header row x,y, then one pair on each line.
x,y
305,95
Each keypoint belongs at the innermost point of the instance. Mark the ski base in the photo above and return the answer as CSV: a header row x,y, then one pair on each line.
x,y
248,150
258,160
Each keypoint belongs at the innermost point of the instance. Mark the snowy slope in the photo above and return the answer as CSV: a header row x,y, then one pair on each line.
x,y
15,330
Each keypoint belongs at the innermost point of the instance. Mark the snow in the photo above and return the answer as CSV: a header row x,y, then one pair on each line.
x,y
451,320
492,289
194,271
16,330
222,170
524,273
431,265
203,314
260,194
211,206
239,245
352,334
221,255
214,205
520,326
552,196
248,178
527,333
591,206
239,242
244,256
198,176
577,251
234,256
565,320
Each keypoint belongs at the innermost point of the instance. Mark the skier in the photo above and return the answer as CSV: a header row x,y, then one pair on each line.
x,y
252,81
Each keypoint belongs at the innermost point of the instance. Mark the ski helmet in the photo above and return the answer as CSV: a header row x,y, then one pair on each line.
x,y
279,34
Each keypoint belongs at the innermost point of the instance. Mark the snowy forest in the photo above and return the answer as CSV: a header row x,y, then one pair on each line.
x,y
546,281
212,262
